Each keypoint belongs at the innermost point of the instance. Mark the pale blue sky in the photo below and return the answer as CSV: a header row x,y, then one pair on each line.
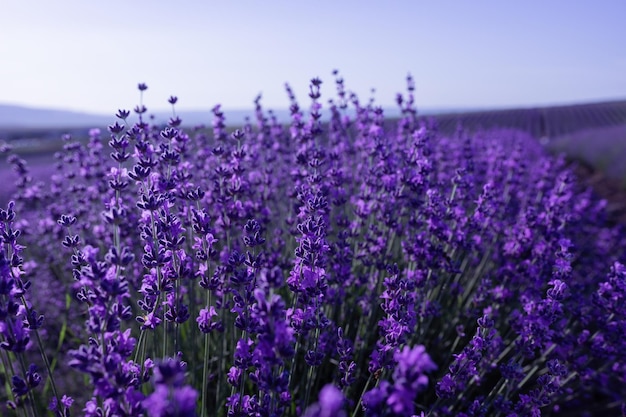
x,y
89,55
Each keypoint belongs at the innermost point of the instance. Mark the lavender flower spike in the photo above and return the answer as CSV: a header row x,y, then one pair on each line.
x,y
330,404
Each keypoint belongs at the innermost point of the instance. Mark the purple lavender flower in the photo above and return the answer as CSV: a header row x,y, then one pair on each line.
x,y
330,403
176,402
409,380
380,236
171,397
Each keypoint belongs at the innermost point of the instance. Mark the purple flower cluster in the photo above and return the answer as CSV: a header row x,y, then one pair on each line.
x,y
380,266
409,380
19,323
171,397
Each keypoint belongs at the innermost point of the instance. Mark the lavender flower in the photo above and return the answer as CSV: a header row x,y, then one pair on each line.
x,y
386,268
330,404
171,397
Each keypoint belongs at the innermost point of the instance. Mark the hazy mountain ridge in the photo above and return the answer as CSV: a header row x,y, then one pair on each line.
x,y
12,116
18,117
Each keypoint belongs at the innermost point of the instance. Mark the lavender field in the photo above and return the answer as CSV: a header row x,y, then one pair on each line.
x,y
358,267
603,148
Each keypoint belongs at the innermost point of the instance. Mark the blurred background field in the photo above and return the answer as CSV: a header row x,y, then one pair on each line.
x,y
602,149
591,136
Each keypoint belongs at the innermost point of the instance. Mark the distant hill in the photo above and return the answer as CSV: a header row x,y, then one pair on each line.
x,y
20,117
29,117
30,130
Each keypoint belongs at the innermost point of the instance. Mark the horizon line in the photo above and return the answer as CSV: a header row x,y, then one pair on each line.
x,y
286,108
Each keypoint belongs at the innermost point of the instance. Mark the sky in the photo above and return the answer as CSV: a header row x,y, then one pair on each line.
x,y
89,55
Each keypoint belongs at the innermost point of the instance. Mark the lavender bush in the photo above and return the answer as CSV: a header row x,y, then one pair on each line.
x,y
355,267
